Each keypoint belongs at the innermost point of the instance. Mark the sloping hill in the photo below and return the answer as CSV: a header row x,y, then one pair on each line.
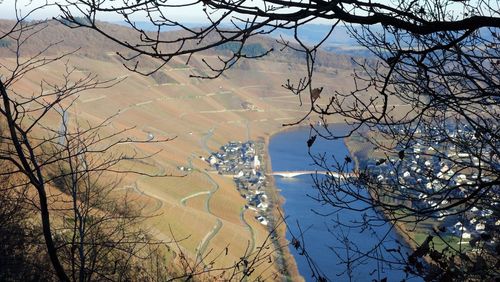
x,y
247,102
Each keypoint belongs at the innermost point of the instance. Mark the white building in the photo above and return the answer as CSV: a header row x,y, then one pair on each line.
x,y
256,162
212,160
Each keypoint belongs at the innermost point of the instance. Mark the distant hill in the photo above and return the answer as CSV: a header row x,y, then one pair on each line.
x,y
340,41
308,32
316,32
94,45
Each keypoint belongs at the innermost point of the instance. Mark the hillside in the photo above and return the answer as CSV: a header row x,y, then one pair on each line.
x,y
203,207
61,38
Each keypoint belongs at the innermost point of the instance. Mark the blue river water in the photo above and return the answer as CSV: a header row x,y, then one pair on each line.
x,y
324,240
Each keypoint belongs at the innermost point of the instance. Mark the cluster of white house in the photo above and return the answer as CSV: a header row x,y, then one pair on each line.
x,y
241,160
436,173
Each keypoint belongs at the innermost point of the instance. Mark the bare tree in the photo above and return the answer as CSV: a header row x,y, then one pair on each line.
x,y
20,151
427,104
99,237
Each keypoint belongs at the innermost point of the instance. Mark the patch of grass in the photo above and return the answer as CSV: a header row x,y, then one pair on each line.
x,y
440,244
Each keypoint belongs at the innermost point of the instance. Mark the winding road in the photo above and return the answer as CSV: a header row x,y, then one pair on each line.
x,y
202,247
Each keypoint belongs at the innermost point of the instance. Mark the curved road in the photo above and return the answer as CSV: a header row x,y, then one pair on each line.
x,y
250,229
218,224
201,249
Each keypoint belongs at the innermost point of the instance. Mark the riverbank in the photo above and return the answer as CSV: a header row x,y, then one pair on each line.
x,y
290,265
399,227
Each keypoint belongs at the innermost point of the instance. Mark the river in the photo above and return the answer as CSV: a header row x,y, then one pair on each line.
x,y
323,240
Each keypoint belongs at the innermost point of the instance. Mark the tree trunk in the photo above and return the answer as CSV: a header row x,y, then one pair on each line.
x,y
32,173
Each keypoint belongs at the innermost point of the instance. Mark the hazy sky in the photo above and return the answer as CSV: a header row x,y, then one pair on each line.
x,y
7,8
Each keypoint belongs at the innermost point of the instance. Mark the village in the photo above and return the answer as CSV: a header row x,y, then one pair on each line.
x,y
242,161
435,175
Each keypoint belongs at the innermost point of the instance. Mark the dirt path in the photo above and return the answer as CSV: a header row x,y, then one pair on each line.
x,y
183,200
